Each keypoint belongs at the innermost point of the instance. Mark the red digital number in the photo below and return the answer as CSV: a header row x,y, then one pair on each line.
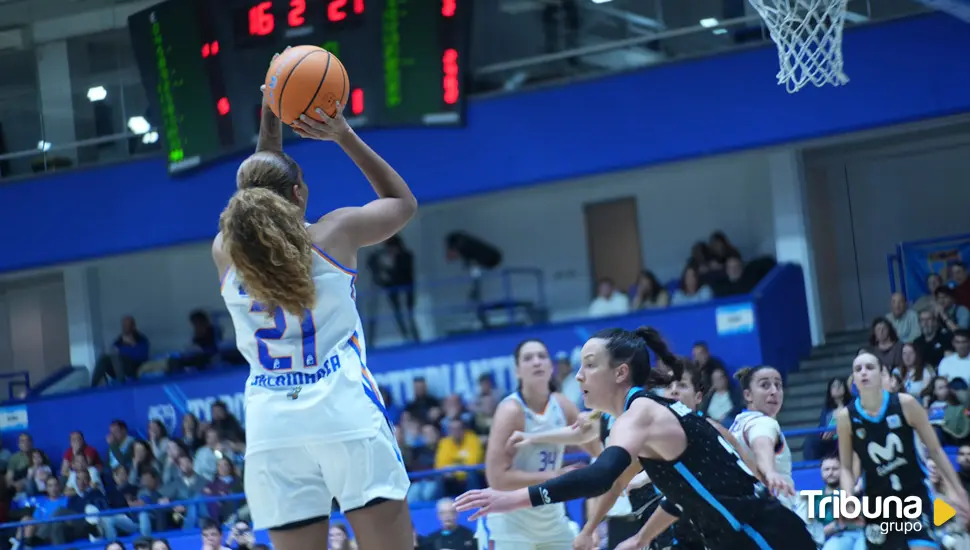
x,y
449,64
357,101
448,7
210,49
261,23
295,17
336,9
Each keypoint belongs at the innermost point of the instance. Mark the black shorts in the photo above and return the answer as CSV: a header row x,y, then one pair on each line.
x,y
758,524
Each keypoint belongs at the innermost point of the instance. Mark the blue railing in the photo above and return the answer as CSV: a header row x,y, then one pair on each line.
x,y
913,261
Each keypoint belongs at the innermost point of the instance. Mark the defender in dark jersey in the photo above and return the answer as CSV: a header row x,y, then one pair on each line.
x,y
688,459
881,428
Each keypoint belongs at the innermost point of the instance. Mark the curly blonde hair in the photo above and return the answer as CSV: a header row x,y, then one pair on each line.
x,y
265,235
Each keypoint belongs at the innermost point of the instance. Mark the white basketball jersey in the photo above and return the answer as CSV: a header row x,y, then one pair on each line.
x,y
543,523
751,424
308,379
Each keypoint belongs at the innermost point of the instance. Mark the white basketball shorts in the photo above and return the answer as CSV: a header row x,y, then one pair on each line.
x,y
297,483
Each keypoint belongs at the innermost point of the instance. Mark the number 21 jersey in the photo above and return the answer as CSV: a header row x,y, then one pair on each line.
x,y
308,379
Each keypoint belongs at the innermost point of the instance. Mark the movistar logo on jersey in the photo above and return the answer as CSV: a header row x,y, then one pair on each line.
x,y
297,378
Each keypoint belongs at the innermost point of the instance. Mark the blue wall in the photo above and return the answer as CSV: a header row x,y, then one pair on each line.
x,y
730,326
901,71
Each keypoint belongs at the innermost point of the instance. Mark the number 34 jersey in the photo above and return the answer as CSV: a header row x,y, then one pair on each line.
x,y
308,380
543,524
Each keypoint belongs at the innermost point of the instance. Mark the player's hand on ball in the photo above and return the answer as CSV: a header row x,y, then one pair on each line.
x,y
332,128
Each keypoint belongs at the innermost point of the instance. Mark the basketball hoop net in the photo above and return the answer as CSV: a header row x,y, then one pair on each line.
x,y
808,34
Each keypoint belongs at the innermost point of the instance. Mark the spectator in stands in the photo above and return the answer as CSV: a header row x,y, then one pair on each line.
x,y
916,373
409,430
476,255
189,486
723,401
339,538
649,293
451,535
829,533
460,448
212,536
120,445
936,341
568,385
824,444
241,536
193,435
19,463
721,250
928,300
203,348
79,446
170,460
735,282
230,429
207,457
705,361
129,352
148,494
947,413
86,495
81,467
690,290
157,438
424,407
484,404
120,496
608,301
957,365
960,283
952,315
421,457
963,465
142,459
392,269
903,319
884,343
700,260
226,482
52,505
454,409
38,474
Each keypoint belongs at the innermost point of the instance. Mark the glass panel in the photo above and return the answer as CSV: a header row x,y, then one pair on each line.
x,y
20,118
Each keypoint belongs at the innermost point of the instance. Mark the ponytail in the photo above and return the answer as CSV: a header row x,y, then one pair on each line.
x,y
267,241
658,346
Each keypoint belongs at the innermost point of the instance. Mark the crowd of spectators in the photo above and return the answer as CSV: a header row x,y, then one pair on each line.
x,y
714,269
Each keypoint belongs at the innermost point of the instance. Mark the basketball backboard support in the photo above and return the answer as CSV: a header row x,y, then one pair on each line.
x,y
957,8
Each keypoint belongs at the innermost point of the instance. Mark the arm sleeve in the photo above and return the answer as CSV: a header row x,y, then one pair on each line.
x,y
591,481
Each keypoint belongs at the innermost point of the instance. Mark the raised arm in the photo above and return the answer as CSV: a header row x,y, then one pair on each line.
x,y
346,230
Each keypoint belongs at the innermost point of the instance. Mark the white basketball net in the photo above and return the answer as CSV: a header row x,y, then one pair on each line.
x,y
808,34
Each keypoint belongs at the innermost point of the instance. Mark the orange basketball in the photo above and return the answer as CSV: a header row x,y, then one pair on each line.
x,y
303,79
